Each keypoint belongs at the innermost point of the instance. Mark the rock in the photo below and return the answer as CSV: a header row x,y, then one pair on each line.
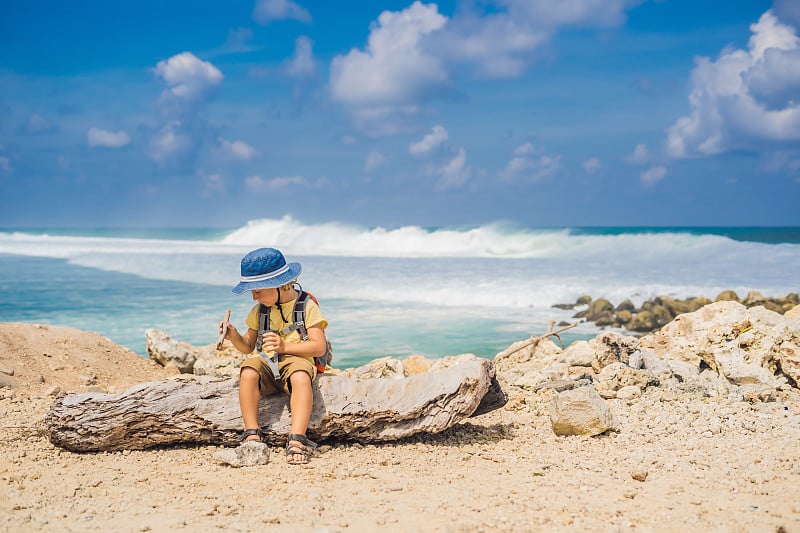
x,y
626,305
598,309
249,453
727,296
416,364
629,392
643,321
618,375
580,411
639,475
383,367
716,337
754,298
793,313
583,300
559,385
165,350
218,366
659,368
205,410
6,370
611,348
579,353
7,381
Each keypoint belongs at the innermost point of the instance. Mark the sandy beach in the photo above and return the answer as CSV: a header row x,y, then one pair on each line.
x,y
678,462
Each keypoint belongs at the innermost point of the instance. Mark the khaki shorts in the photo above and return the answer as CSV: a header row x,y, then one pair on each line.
x,y
288,365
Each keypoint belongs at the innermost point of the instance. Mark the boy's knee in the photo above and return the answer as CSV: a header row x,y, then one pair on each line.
x,y
300,379
248,375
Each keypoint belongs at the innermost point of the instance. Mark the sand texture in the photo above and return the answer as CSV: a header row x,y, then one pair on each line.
x,y
680,460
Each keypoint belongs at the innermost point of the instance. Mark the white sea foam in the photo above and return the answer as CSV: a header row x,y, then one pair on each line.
x,y
494,265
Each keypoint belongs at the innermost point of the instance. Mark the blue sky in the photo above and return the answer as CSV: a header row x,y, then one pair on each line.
x,y
544,113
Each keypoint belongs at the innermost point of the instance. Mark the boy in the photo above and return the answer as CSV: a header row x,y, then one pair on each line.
x,y
271,280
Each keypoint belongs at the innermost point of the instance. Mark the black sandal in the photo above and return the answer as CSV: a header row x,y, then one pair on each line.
x,y
306,449
247,432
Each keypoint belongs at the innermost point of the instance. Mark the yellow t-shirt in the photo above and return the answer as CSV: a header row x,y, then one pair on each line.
x,y
314,317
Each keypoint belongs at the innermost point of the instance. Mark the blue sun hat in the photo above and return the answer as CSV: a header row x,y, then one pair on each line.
x,y
266,268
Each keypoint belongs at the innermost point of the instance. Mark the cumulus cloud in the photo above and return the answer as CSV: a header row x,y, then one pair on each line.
x,y
260,185
411,55
500,42
108,139
746,99
268,10
375,160
455,173
652,175
528,164
590,166
188,78
394,69
429,142
237,149
190,82
640,155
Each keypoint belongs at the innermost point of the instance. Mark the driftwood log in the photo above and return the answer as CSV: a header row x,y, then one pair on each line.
x,y
205,410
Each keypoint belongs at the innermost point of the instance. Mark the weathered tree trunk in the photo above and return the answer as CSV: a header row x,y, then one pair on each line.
x,y
205,410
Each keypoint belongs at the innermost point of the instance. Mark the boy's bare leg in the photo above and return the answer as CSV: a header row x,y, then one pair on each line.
x,y
249,398
300,402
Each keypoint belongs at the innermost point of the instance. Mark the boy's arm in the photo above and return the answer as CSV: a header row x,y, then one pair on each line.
x,y
244,343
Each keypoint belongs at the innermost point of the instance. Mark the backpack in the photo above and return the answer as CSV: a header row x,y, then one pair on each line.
x,y
299,324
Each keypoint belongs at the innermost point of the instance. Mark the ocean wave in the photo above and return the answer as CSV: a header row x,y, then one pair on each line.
x,y
494,240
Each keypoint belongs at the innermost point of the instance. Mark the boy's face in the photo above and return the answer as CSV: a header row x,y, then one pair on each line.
x,y
265,296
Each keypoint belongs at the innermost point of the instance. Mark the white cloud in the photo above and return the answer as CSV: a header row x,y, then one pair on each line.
x,y
237,149
500,43
188,78
455,173
640,155
746,99
652,175
429,142
393,69
302,62
590,166
5,165
269,10
171,143
37,124
375,160
529,164
259,184
108,139
525,149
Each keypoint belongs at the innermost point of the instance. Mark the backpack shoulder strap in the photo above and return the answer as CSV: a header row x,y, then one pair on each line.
x,y
299,314
263,324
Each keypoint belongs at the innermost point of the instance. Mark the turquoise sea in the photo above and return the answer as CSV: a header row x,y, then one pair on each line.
x,y
386,291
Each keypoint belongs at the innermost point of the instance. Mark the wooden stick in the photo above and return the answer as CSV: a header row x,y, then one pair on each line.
x,y
548,333
225,322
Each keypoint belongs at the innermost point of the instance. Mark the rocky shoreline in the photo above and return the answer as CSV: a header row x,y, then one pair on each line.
x,y
693,427
655,313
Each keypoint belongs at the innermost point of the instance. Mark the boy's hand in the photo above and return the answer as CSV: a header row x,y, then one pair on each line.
x,y
272,342
230,331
